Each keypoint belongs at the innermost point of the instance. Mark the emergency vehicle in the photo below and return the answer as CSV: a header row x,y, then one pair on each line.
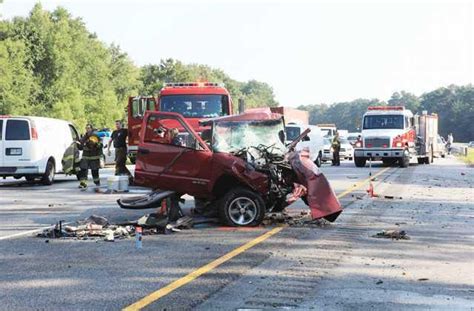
x,y
193,100
393,134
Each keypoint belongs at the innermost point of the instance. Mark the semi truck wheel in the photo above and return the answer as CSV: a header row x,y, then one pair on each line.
x,y
405,160
132,158
241,207
318,160
360,162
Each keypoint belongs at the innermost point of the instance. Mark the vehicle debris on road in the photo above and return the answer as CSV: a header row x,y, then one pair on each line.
x,y
99,227
392,234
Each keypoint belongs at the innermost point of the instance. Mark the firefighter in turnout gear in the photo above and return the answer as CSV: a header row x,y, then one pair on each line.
x,y
336,147
91,147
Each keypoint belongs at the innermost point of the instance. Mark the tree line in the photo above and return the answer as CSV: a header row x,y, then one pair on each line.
x,y
453,104
51,65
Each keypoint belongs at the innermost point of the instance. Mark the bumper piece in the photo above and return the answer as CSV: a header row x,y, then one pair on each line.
x,y
378,153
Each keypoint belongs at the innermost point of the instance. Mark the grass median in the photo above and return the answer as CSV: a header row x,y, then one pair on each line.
x,y
469,159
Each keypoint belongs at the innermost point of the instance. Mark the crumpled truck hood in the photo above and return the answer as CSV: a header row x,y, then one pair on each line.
x,y
321,198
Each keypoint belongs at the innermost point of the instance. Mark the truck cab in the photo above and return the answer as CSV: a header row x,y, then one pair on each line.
x,y
195,101
393,134
387,133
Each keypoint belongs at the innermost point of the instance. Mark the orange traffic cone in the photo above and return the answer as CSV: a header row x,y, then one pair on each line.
x,y
370,190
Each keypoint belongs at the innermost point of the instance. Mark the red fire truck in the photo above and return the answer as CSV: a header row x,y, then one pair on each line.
x,y
393,134
193,100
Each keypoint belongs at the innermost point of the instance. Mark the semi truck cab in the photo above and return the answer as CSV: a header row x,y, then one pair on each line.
x,y
393,134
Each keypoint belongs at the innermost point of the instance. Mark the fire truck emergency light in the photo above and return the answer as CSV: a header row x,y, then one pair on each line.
x,y
194,84
386,108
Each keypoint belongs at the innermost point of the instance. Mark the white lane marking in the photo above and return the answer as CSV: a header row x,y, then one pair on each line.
x,y
20,234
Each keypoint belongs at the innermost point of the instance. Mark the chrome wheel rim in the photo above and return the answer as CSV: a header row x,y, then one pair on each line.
x,y
242,211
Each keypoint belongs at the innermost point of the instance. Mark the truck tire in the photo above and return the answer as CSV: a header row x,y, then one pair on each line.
x,y
360,162
428,159
30,178
48,176
388,162
421,161
318,160
132,158
405,160
241,207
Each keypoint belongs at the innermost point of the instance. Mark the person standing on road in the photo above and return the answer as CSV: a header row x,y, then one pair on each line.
x,y
91,153
119,139
450,142
336,147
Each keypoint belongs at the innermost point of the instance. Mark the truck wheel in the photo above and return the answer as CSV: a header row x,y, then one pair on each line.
x,y
405,160
132,159
241,207
318,160
360,162
421,161
388,162
30,178
48,176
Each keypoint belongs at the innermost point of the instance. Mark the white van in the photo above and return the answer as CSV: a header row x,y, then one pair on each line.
x,y
313,141
33,147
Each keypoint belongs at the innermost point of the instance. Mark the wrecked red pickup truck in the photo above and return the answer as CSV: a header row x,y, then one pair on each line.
x,y
240,167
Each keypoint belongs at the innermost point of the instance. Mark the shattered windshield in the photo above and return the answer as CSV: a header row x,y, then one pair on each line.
x,y
233,136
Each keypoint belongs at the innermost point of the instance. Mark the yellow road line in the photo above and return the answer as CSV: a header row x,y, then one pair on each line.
x,y
361,183
197,273
147,300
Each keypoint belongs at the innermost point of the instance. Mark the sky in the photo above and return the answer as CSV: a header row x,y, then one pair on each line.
x,y
310,52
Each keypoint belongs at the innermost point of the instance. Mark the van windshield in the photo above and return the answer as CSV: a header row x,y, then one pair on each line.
x,y
17,130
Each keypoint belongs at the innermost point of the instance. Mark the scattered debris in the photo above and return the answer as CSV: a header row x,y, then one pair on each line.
x,y
463,174
423,279
301,219
392,234
379,282
400,223
98,227
94,219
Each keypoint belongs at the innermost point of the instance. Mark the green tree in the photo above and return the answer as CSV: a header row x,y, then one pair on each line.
x,y
406,99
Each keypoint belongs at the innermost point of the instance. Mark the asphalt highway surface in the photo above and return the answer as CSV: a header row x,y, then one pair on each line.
x,y
335,266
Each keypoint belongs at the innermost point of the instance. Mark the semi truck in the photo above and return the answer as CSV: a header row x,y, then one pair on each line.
x,y
193,100
393,134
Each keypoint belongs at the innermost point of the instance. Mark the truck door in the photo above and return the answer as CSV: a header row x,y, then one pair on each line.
x,y
2,150
171,156
137,106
